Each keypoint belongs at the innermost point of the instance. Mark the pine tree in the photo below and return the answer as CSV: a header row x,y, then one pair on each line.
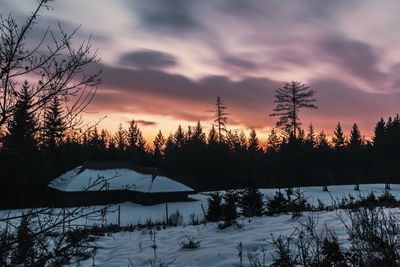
x,y
94,138
214,211
229,207
355,140
322,140
253,143
273,141
339,139
103,140
158,143
21,130
310,138
134,138
289,100
54,126
379,133
221,118
251,202
212,136
179,138
120,138
199,136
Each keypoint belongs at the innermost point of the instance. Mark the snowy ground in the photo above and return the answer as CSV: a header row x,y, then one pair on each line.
x,y
218,248
132,213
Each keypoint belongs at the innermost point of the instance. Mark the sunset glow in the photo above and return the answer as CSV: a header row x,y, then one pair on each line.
x,y
164,62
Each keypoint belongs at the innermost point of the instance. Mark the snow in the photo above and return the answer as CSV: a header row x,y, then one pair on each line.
x,y
86,179
217,247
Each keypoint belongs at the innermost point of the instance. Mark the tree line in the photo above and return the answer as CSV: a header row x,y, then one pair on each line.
x,y
41,146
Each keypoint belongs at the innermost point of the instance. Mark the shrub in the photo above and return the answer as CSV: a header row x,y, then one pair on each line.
x,y
229,207
276,204
214,211
251,202
189,242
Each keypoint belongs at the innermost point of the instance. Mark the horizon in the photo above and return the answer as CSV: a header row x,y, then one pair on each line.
x,y
164,64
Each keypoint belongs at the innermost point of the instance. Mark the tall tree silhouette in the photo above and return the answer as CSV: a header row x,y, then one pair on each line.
x,y
21,130
54,126
339,139
220,118
120,138
355,140
212,136
273,141
379,133
134,138
311,138
159,144
289,100
253,142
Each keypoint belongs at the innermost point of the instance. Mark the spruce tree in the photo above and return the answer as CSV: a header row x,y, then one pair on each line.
x,y
22,128
214,211
339,139
251,202
355,140
54,125
212,136
379,133
322,140
199,136
134,138
158,143
179,138
253,143
310,138
120,138
273,141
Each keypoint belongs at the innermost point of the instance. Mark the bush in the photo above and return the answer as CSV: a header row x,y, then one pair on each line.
x,y
251,202
277,204
229,207
214,211
25,249
190,242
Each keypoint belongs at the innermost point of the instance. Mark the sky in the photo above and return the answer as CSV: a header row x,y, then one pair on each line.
x,y
164,62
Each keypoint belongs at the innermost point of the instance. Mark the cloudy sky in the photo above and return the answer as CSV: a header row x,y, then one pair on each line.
x,y
165,61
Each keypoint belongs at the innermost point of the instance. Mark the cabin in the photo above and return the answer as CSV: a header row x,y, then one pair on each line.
x,y
96,183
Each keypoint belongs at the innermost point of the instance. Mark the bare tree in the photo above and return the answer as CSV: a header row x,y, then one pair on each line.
x,y
289,99
53,66
220,118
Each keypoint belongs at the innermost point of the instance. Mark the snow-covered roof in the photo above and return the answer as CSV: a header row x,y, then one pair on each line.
x,y
86,179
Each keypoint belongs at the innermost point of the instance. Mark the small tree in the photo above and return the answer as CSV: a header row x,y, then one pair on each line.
x,y
251,202
289,100
214,211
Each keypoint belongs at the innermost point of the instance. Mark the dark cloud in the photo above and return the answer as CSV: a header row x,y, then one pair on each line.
x,y
238,63
177,15
148,59
146,123
356,57
249,100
